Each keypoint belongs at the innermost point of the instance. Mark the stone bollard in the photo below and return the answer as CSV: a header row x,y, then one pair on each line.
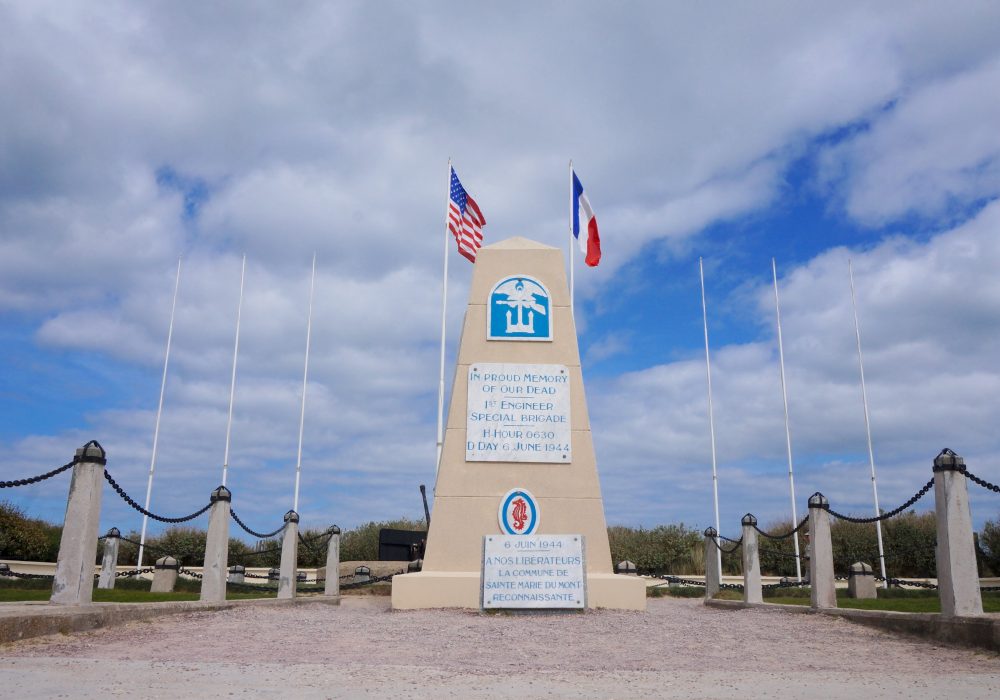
x,y
958,574
73,583
362,574
861,581
237,573
332,584
823,592
713,576
752,591
626,568
165,575
215,572
289,556
109,562
273,574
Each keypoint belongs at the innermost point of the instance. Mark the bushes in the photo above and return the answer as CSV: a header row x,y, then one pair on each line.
x,y
989,547
24,538
361,543
662,549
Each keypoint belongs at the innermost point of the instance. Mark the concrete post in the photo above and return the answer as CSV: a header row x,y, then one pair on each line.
x,y
237,573
332,585
165,575
109,562
216,569
74,578
713,577
752,591
626,568
958,574
823,593
861,581
289,556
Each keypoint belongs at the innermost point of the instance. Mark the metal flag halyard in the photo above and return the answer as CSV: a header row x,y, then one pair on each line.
x,y
711,410
232,382
305,380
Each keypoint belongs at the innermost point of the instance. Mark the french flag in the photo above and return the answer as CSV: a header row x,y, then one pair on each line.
x,y
590,244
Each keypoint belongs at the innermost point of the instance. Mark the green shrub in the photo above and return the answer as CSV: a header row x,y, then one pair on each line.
x,y
24,538
662,549
989,546
361,543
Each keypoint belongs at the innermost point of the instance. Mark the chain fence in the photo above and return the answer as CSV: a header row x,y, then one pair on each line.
x,y
254,533
785,536
35,479
888,514
130,501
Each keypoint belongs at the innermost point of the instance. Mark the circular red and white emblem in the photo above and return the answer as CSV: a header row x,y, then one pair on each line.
x,y
518,513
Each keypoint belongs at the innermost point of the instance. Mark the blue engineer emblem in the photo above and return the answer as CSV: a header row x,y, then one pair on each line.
x,y
519,310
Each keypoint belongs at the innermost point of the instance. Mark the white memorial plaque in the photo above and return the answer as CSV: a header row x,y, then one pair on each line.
x,y
533,571
518,413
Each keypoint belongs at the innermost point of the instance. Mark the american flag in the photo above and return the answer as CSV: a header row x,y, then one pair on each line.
x,y
465,221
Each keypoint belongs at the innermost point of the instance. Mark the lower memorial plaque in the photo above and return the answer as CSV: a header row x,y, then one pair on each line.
x,y
533,571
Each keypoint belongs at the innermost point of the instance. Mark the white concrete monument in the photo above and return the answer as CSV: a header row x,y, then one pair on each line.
x,y
518,457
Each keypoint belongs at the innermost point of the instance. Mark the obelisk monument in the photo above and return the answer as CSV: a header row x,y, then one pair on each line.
x,y
518,456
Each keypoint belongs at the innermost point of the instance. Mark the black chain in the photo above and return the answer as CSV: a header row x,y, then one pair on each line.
x,y
134,572
256,575
258,535
902,582
188,572
788,534
121,492
258,552
784,584
370,581
681,581
737,544
17,574
892,513
36,479
982,482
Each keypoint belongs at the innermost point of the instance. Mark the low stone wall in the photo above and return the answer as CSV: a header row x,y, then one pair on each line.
x,y
24,620
979,632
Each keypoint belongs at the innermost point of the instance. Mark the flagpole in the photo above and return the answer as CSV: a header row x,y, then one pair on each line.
x,y
232,383
305,379
711,411
159,412
444,313
788,430
572,307
868,427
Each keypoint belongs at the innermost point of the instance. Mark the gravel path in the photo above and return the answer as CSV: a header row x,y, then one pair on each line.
x,y
679,648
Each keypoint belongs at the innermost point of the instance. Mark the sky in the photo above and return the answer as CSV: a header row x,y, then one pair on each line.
x,y
136,134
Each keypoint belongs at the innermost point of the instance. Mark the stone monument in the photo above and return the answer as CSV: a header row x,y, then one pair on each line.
x,y
518,457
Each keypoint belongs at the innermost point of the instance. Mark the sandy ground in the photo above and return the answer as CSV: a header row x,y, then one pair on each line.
x,y
678,649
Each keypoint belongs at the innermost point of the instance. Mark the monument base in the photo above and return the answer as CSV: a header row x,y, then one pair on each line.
x,y
461,589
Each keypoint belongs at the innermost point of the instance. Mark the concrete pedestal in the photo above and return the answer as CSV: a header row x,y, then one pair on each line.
x,y
165,575
468,494
958,573
74,578
237,573
861,581
216,570
823,593
752,590
332,571
109,562
713,575
287,577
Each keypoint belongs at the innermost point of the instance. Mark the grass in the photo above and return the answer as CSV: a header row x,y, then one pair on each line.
x,y
893,599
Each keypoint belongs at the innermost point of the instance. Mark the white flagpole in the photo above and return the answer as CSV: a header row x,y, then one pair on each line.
x,y
572,241
305,379
232,383
159,412
788,430
444,314
711,411
868,427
